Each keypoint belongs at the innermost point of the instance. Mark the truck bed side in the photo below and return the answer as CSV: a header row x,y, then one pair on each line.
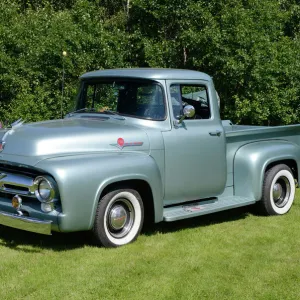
x,y
268,145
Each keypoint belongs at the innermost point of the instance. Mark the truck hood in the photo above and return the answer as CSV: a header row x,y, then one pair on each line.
x,y
74,135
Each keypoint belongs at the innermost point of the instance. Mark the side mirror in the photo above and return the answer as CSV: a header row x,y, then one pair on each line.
x,y
188,112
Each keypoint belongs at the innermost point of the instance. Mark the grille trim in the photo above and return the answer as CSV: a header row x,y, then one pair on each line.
x,y
15,187
17,184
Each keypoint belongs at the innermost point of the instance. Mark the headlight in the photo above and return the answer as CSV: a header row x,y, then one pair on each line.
x,y
44,189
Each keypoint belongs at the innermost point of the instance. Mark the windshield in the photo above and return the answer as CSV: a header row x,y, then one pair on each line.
x,y
141,99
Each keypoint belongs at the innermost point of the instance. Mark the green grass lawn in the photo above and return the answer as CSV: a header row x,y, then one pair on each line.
x,y
229,255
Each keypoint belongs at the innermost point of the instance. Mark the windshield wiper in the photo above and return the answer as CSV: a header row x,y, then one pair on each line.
x,y
86,109
113,113
81,110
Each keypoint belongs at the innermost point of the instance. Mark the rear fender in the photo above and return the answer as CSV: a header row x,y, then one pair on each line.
x,y
252,160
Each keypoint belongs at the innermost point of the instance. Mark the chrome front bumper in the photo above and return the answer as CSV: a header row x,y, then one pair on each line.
x,y
25,223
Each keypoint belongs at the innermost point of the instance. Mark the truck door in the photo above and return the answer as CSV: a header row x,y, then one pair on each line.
x,y
195,150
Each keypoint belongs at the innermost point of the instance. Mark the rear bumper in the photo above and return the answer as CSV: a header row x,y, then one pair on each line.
x,y
25,223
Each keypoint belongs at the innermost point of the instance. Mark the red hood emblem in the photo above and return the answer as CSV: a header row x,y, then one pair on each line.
x,y
121,144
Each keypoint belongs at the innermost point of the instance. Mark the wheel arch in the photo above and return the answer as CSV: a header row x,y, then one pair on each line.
x,y
253,160
291,163
142,187
151,196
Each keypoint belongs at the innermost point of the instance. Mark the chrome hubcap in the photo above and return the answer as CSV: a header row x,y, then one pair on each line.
x,y
120,218
281,191
117,217
277,191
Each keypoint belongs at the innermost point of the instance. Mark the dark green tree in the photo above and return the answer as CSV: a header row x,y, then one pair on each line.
x,y
250,47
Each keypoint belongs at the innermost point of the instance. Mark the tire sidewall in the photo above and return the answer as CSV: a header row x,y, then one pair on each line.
x,y
101,229
287,174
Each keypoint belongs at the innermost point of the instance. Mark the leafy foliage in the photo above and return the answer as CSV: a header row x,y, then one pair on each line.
x,y
31,55
251,48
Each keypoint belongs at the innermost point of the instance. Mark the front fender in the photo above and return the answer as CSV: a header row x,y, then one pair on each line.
x,y
82,178
251,161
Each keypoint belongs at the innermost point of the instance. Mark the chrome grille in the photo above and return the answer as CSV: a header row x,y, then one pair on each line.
x,y
16,187
17,184
8,197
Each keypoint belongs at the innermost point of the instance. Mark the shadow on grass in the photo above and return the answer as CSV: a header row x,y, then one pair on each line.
x,y
206,220
18,240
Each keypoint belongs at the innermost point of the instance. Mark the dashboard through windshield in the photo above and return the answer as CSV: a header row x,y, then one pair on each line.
x,y
141,99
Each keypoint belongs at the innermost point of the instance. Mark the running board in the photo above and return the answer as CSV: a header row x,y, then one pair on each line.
x,y
205,207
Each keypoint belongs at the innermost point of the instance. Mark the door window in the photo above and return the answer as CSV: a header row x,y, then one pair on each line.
x,y
195,95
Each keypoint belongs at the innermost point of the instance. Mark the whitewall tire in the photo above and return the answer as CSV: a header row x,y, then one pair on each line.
x,y
278,191
119,218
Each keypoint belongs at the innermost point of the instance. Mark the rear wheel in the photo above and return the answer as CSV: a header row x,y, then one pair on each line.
x,y
119,218
278,191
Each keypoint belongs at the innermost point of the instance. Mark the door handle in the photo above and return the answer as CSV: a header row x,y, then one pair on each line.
x,y
215,133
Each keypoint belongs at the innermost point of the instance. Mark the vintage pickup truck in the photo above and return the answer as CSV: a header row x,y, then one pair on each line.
x,y
141,145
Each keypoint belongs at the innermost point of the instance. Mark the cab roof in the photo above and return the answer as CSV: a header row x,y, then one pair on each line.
x,y
148,73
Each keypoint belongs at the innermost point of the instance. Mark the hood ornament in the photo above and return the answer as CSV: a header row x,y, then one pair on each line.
x,y
17,124
13,126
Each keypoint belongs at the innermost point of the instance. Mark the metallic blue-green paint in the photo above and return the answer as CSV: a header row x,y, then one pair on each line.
x,y
179,162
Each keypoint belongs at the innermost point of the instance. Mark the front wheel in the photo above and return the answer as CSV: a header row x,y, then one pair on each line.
x,y
278,191
119,218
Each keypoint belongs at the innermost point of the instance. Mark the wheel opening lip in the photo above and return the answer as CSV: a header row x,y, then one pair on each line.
x,y
129,218
281,191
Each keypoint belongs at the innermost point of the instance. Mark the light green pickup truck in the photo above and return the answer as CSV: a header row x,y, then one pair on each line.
x,y
142,145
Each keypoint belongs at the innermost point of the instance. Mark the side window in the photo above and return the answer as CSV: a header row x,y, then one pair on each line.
x,y
186,94
176,100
